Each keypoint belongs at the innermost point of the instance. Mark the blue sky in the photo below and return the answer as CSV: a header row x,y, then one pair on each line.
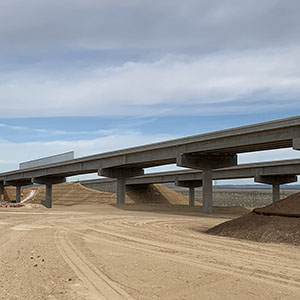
x,y
94,76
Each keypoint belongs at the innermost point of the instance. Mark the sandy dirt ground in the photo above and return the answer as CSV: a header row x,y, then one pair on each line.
x,y
136,252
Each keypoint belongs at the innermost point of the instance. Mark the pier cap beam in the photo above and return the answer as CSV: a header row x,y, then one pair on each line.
x,y
206,161
275,179
17,182
121,174
49,180
189,183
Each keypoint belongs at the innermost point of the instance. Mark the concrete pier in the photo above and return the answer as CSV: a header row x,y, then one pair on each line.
x,y
276,181
191,185
121,174
191,196
121,190
207,192
1,192
18,194
48,181
48,201
207,162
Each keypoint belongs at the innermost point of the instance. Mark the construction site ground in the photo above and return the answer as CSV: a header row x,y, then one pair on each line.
x,y
137,251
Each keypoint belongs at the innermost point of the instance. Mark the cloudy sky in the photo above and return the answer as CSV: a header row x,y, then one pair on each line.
x,y
98,75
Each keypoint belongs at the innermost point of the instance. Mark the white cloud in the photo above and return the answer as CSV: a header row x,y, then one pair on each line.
x,y
246,81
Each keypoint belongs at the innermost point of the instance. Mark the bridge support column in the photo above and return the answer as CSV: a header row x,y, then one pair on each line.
x,y
207,192
275,192
207,162
18,184
48,181
18,194
1,192
121,174
121,190
191,185
276,181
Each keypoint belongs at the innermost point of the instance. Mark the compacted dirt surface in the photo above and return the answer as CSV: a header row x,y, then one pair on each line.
x,y
99,251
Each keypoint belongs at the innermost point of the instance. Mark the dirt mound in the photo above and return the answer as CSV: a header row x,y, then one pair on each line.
x,y
274,223
289,207
74,193
155,194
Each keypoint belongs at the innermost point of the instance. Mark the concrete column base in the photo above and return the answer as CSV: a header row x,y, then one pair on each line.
x,y
18,194
191,196
48,202
207,192
121,190
275,192
1,192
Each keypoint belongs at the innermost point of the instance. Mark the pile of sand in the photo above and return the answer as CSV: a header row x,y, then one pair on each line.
x,y
71,194
155,194
74,193
278,223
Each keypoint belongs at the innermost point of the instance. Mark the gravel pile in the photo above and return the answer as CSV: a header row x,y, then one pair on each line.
x,y
275,223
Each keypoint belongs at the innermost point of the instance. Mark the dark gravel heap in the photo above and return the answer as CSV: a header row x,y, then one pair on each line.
x,y
275,223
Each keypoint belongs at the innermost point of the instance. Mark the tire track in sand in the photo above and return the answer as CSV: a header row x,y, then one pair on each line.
x,y
99,285
193,257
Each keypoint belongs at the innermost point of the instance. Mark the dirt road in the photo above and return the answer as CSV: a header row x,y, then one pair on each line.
x,y
101,252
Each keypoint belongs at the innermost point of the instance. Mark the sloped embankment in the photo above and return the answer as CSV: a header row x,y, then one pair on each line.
x,y
74,193
278,222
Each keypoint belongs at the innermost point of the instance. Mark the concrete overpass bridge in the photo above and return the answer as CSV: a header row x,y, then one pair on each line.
x,y
273,172
205,152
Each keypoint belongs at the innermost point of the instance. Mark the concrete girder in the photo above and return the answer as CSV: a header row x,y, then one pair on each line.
x,y
121,174
276,181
